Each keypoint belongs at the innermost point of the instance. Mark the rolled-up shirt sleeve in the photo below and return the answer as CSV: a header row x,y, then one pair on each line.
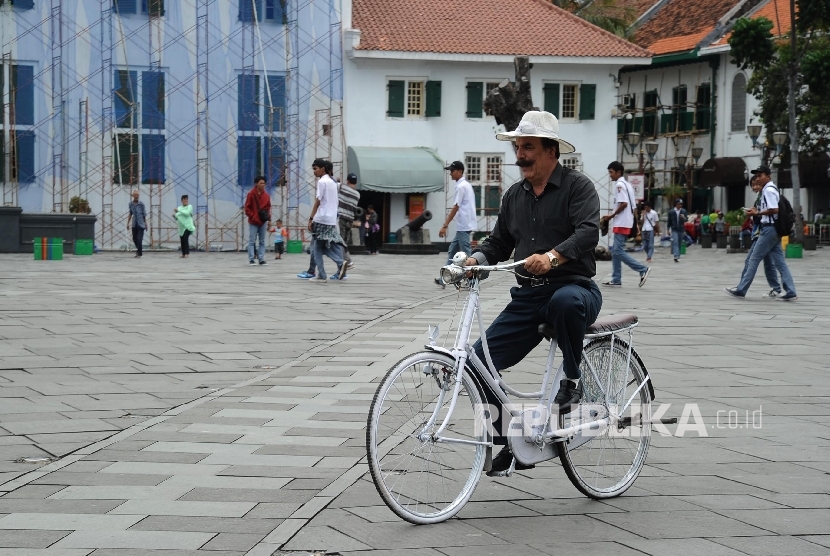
x,y
583,210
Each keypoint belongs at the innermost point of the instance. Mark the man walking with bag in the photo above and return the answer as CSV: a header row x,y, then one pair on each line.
x,y
769,240
650,225
676,225
258,211
622,220
137,222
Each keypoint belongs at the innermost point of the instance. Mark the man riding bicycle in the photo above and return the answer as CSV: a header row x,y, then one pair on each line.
x,y
551,219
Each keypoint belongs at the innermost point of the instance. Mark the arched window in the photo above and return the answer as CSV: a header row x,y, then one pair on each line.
x,y
739,103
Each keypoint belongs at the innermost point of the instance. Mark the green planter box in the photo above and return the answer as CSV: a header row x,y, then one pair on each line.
x,y
294,246
84,247
682,247
794,251
48,248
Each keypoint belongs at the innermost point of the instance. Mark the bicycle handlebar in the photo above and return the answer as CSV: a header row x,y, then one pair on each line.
x,y
494,268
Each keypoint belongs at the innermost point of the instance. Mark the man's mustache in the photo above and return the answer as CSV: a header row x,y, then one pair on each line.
x,y
524,163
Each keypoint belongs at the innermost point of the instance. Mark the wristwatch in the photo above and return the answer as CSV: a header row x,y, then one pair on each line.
x,y
554,262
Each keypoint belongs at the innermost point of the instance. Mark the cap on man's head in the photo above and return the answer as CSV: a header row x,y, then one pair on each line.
x,y
678,201
457,165
762,170
351,178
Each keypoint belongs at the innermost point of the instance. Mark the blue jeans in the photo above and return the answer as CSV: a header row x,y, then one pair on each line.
x,y
769,270
676,237
767,244
253,231
328,248
619,256
648,242
461,242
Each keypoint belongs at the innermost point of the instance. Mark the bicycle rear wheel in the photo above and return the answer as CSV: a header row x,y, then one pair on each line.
x,y
604,463
420,479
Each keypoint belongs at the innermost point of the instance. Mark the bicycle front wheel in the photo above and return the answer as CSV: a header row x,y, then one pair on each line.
x,y
605,462
421,479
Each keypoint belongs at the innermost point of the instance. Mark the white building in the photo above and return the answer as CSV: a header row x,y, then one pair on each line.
x,y
416,73
693,99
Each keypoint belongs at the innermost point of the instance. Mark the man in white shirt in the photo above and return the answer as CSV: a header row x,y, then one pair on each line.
x,y
323,223
465,209
768,242
649,226
622,220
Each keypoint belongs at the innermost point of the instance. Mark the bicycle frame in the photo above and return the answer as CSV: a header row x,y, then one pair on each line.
x,y
462,352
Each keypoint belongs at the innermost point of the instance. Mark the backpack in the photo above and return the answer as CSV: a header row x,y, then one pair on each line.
x,y
785,219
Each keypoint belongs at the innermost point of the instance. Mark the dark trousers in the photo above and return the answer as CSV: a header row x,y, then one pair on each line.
x,y
372,240
569,308
138,239
185,243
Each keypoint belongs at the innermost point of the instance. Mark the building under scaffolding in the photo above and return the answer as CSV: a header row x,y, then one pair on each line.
x,y
195,97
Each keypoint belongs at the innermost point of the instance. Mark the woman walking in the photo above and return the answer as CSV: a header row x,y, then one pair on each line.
x,y
372,229
184,216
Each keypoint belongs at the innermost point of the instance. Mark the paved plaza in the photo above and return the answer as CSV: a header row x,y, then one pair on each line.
x,y
169,407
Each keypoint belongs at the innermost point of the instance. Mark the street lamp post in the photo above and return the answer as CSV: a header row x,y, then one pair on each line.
x,y
651,150
680,160
633,141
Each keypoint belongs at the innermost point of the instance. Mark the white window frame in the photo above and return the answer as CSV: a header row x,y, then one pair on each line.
x,y
577,87
572,160
483,180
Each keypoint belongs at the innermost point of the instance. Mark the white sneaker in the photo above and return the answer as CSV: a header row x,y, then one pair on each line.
x,y
317,280
772,295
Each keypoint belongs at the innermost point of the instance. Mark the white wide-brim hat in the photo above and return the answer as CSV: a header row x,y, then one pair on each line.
x,y
538,124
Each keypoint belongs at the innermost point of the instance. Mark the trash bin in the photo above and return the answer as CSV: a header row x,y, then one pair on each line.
x,y
722,239
48,248
809,243
294,246
706,241
83,247
794,251
393,238
682,247
734,242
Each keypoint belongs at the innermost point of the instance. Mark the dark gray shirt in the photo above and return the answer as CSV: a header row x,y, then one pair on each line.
x,y
139,214
565,217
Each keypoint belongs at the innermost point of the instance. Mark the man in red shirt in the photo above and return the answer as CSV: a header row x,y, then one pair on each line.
x,y
258,211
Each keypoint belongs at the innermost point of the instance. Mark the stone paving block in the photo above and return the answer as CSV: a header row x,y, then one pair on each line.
x,y
404,552
683,524
323,538
200,448
145,540
219,482
66,425
34,492
48,506
279,510
150,468
499,550
256,460
30,539
45,551
233,541
260,526
143,455
63,477
178,507
774,546
681,547
115,492
68,521
234,495
784,521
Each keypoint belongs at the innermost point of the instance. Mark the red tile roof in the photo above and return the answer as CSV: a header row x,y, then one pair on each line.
x,y
495,27
681,24
777,11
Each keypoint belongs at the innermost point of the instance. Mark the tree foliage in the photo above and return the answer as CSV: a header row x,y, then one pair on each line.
x,y
770,59
605,14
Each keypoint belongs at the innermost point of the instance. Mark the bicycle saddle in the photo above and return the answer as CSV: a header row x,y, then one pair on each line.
x,y
611,323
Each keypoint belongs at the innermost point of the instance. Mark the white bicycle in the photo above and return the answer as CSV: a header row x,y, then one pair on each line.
x,y
430,435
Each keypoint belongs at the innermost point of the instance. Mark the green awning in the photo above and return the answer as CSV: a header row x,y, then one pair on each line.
x,y
397,170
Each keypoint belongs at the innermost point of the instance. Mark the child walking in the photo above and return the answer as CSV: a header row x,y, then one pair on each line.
x,y
280,235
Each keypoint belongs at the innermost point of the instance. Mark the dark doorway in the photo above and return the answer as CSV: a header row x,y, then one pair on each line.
x,y
735,198
380,202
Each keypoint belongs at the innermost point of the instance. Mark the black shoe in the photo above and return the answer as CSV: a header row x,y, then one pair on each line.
x,y
441,283
503,460
568,396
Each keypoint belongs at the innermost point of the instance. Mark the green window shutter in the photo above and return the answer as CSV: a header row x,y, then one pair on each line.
x,y
667,123
620,126
433,99
638,124
477,192
587,102
551,96
686,121
492,199
396,98
703,111
475,100
649,123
